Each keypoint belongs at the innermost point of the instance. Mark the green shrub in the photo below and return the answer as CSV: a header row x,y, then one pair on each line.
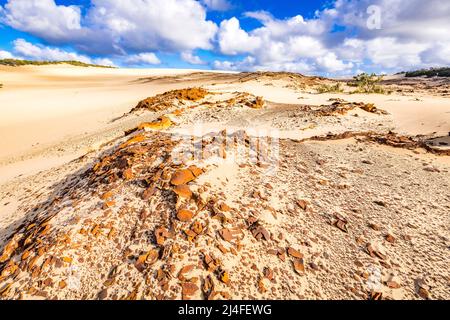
x,y
325,88
366,83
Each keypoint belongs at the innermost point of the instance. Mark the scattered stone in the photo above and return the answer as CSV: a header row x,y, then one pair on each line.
x,y
380,203
211,263
423,290
390,238
259,232
185,215
224,207
393,282
294,253
182,177
107,195
196,171
150,191
261,286
341,224
62,284
431,169
161,234
222,249
103,294
185,270
268,273
299,266
183,191
373,295
302,204
374,226
127,174
188,289
375,250
226,234
224,277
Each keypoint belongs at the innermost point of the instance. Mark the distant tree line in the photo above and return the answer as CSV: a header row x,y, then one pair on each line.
x,y
17,63
433,72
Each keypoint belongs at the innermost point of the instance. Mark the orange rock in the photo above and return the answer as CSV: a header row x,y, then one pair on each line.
x,y
261,287
149,258
224,207
299,266
183,191
222,249
375,295
294,253
108,204
302,204
127,174
136,139
188,289
150,191
67,259
26,254
197,227
268,273
178,112
191,235
224,277
161,234
390,238
185,215
184,270
112,233
161,124
62,284
259,102
107,195
226,234
5,290
152,256
341,224
10,247
182,177
196,171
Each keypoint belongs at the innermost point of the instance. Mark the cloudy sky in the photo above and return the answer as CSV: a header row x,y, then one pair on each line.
x,y
332,37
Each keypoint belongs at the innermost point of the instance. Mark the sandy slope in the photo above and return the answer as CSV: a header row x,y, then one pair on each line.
x,y
44,106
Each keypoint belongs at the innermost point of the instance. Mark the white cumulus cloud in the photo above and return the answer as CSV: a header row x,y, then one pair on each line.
x,y
42,18
143,59
338,39
217,5
115,26
39,52
6,55
189,57
234,40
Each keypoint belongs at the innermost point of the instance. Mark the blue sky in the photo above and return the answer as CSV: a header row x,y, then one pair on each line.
x,y
332,37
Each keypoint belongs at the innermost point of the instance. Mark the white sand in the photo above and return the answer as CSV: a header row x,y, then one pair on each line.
x,y
46,106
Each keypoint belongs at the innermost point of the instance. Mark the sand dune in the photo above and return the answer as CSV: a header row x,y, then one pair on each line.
x,y
330,200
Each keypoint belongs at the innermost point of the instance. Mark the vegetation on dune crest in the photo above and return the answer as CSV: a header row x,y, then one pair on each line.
x,y
366,83
432,72
332,88
17,63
